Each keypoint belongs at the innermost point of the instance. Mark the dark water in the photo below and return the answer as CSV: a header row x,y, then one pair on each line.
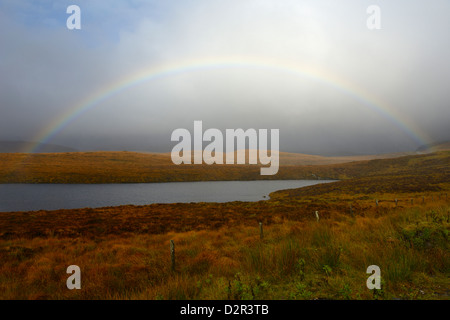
x,y
29,197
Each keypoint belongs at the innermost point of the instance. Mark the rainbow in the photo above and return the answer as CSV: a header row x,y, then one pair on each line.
x,y
153,73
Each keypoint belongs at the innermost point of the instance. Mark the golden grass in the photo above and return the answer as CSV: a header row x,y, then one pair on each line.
x,y
123,252
132,167
295,260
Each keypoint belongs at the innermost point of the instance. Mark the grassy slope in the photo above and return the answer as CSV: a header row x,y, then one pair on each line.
x,y
123,251
408,174
128,167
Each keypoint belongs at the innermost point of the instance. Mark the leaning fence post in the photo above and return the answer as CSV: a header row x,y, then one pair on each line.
x,y
172,254
317,216
261,234
376,202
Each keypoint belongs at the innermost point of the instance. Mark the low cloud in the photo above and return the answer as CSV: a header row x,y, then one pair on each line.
x,y
47,70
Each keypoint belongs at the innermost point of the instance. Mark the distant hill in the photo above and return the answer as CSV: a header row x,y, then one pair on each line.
x,y
437,146
296,159
132,167
289,159
26,146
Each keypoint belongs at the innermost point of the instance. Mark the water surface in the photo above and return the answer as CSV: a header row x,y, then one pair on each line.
x,y
29,197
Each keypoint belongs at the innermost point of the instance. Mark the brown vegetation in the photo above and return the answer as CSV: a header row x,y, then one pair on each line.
x,y
132,167
123,252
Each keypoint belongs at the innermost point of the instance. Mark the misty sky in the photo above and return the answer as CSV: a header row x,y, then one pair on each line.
x,y
46,69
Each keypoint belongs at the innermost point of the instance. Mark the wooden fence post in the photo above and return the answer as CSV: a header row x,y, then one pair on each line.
x,y
261,234
172,254
376,202
317,216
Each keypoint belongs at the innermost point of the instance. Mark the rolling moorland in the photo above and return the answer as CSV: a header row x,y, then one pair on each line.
x,y
123,252
134,167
